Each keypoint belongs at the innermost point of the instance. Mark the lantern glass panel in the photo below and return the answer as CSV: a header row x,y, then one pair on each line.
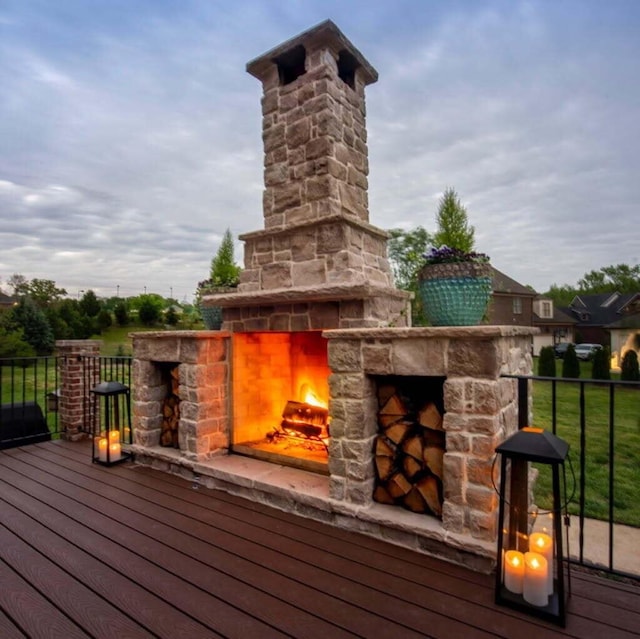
x,y
111,423
530,562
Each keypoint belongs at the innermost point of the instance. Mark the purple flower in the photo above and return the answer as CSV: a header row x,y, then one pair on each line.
x,y
446,255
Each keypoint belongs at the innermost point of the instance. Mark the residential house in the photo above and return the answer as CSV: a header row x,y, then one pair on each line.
x,y
610,319
511,302
554,324
6,301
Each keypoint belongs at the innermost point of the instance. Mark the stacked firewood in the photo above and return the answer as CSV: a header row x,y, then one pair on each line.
x,y
409,452
171,411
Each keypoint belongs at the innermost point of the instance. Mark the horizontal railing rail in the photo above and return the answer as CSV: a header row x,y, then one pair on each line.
x,y
601,421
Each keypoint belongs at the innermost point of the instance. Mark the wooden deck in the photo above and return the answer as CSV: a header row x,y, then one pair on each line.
x,y
127,552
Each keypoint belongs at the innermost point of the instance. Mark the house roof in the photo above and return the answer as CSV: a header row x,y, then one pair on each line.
x,y
7,300
559,317
603,309
504,284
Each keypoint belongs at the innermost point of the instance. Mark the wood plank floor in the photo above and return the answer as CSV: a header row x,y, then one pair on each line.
x,y
127,552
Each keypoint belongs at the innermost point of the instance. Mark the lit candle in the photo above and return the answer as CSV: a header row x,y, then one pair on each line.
x,y
114,436
126,435
542,543
114,452
103,442
513,571
534,586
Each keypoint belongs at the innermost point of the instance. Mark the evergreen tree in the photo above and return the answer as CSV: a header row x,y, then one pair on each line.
x,y
629,371
90,304
104,320
171,317
35,327
547,362
150,310
454,230
570,363
121,313
224,271
600,368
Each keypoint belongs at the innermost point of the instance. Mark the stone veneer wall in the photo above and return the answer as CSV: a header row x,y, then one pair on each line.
x,y
203,358
481,409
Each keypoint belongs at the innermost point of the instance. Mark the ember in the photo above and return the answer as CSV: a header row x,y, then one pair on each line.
x,y
303,420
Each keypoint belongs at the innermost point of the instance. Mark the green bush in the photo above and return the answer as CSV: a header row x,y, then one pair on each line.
x,y
600,368
570,363
547,362
629,370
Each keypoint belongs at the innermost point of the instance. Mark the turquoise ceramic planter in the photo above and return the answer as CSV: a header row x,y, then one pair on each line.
x,y
212,317
455,299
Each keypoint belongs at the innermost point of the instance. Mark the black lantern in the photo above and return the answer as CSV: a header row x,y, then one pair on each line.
x,y
112,423
530,572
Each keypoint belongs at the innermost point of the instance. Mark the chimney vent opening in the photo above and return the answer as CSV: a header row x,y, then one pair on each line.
x,y
347,65
291,64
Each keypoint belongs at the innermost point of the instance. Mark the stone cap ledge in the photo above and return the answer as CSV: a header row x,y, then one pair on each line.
x,y
203,334
328,293
455,332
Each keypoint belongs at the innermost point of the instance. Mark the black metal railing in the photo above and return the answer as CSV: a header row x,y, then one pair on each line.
x,y
29,393
601,421
96,369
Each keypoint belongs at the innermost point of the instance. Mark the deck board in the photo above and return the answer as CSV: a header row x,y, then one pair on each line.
x,y
128,551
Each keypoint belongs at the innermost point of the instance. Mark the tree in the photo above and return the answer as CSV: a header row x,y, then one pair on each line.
x,y
18,283
547,362
620,278
224,271
104,320
570,363
600,367
90,304
121,313
171,317
406,254
150,310
35,326
43,292
454,230
12,344
629,370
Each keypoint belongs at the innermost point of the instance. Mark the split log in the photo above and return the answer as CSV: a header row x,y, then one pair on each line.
x,y
397,432
398,485
411,467
382,496
385,391
383,447
428,488
413,446
434,458
414,501
429,416
384,467
392,411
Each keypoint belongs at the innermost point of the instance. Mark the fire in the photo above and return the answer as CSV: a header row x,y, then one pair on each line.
x,y
308,396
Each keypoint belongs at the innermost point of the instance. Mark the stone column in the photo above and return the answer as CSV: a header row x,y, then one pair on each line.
x,y
74,404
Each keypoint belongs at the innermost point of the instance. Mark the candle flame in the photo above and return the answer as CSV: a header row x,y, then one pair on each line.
x,y
535,563
540,542
515,561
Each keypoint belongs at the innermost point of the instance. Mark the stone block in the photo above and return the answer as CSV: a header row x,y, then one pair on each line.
x,y
298,133
274,138
320,187
453,518
418,357
479,472
318,147
324,315
276,174
376,359
286,197
276,276
309,273
473,358
344,356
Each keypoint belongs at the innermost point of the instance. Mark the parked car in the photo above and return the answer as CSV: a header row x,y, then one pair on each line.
x,y
586,351
561,348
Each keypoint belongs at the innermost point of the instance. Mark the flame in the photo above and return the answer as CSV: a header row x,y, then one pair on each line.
x,y
309,397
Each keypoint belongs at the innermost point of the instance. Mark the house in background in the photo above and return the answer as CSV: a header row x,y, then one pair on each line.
x,y
610,319
6,301
554,324
511,302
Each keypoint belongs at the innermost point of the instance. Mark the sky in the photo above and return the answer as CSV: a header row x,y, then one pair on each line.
x,y
130,132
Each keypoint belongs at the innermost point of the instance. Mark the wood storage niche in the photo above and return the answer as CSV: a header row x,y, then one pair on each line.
x,y
410,445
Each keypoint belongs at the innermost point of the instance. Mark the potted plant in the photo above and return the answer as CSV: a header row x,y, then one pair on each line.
x,y
455,283
224,277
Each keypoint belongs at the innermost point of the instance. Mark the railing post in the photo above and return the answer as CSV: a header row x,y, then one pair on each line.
x,y
73,385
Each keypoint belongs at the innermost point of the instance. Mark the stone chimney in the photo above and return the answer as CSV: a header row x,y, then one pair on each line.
x,y
318,248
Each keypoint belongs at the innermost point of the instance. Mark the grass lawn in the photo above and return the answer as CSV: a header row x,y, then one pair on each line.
x,y
626,456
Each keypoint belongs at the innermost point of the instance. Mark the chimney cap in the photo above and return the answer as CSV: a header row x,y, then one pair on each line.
x,y
324,33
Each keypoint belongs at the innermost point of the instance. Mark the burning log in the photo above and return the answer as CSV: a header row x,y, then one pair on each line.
x,y
409,454
303,421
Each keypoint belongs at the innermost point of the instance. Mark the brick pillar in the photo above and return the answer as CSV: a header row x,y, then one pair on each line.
x,y
74,387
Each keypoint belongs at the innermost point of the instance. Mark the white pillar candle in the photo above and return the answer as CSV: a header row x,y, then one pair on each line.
x,y
114,436
542,543
513,571
103,442
534,586
114,451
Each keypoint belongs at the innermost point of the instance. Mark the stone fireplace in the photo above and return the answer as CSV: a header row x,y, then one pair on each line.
x,y
282,404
